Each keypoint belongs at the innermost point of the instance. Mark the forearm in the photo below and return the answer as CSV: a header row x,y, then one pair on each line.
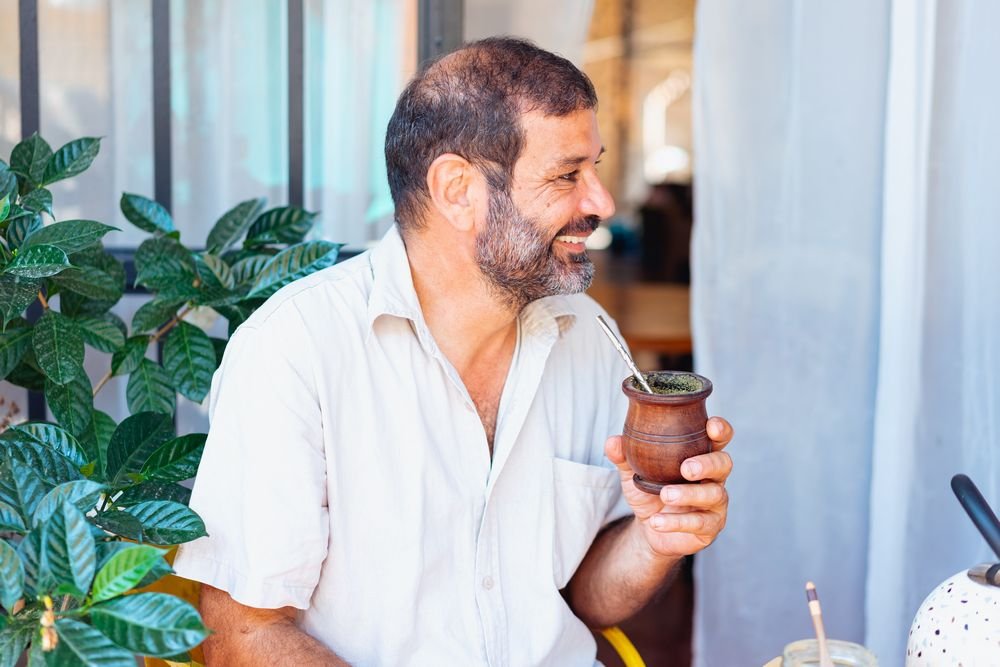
x,y
618,576
251,637
279,643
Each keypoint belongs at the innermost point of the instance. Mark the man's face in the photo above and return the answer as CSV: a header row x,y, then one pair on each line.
x,y
532,241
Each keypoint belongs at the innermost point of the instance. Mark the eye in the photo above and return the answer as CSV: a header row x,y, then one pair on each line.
x,y
571,176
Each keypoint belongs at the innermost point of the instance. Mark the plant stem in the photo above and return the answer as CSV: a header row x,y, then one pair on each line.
x,y
103,381
155,337
171,324
45,302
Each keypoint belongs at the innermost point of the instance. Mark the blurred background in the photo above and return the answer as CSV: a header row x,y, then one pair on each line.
x,y
806,215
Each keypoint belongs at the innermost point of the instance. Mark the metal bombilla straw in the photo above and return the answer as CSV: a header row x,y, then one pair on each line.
x,y
625,355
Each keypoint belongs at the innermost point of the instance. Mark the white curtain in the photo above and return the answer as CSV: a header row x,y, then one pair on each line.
x,y
845,306
359,55
229,102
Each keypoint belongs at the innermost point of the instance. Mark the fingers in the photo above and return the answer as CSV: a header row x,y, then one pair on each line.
x,y
616,453
719,431
695,523
696,496
715,467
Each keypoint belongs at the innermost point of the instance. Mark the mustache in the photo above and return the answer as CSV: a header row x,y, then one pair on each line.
x,y
584,225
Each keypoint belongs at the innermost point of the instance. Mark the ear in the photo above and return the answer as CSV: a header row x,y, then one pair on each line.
x,y
452,182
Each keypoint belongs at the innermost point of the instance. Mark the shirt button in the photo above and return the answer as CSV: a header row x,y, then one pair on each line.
x,y
487,583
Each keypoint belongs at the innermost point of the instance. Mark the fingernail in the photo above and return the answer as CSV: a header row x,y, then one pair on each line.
x,y
657,521
691,469
670,494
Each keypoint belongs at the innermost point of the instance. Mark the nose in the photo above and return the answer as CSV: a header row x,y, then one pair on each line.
x,y
597,200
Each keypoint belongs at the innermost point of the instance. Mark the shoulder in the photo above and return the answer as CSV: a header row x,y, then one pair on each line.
x,y
328,299
580,336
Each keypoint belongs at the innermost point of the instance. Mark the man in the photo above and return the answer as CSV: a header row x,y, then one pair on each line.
x,y
406,463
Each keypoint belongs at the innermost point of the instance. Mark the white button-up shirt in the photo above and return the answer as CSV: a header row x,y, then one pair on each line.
x,y
347,474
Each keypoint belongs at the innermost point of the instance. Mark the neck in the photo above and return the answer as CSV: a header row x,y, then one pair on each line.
x,y
468,318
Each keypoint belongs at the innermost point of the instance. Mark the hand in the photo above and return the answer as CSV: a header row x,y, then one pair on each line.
x,y
684,518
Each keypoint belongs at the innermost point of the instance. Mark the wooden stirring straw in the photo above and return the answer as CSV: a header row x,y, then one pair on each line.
x,y
817,617
625,355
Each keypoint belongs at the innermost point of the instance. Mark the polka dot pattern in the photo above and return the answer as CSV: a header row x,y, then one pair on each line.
x,y
958,625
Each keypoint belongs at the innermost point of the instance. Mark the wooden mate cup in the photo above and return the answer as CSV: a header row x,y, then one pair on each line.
x,y
665,428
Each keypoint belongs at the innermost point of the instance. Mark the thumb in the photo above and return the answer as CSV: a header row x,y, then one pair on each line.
x,y
615,452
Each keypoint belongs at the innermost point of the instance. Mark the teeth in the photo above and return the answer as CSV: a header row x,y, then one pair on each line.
x,y
572,239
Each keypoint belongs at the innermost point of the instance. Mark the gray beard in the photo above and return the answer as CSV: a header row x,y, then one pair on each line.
x,y
518,262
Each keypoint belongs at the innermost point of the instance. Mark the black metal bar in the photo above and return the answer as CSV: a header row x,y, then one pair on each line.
x,y
440,27
28,29
162,155
296,104
27,18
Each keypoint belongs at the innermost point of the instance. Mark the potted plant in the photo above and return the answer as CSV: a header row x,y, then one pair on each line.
x,y
88,504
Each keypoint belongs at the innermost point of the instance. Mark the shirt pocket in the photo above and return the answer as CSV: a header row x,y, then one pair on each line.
x,y
583,495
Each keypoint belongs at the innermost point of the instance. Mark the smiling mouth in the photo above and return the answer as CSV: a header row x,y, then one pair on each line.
x,y
572,239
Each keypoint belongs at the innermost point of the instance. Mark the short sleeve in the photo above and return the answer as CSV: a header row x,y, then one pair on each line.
x,y
261,485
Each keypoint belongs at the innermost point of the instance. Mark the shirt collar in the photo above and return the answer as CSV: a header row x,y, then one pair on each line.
x,y
393,293
392,284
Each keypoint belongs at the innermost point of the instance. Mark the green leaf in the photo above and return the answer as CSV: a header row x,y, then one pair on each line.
x,y
8,182
127,359
38,261
10,519
149,389
4,207
27,374
70,236
37,579
132,443
51,467
233,224
75,305
213,269
14,343
71,403
154,491
106,333
165,522
146,214
81,644
247,269
189,359
13,640
120,523
58,347
48,435
176,460
71,159
20,485
153,624
104,427
30,157
68,550
90,282
11,576
38,201
220,349
124,570
154,314
16,294
81,493
288,224
236,314
162,262
21,227
294,263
